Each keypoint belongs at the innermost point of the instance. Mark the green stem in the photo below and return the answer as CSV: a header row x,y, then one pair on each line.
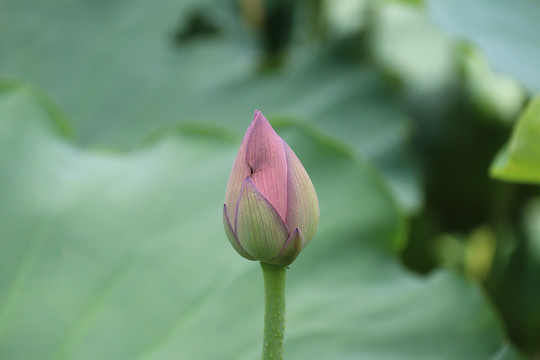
x,y
274,311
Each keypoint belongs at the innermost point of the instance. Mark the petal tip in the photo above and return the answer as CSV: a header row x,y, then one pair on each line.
x,y
259,118
291,249
248,182
256,117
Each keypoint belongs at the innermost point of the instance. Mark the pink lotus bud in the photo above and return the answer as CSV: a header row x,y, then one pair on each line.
x,y
271,210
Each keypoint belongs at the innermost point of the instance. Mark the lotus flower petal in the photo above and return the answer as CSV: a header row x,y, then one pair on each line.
x,y
259,227
303,206
265,156
239,172
292,247
232,236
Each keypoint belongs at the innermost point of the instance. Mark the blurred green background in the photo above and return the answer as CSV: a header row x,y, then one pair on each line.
x,y
416,120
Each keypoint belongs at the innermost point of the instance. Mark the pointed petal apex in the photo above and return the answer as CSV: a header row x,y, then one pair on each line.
x,y
232,237
265,157
256,114
290,250
259,227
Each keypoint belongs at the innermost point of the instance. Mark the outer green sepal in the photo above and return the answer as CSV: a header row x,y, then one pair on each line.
x,y
290,250
232,236
259,228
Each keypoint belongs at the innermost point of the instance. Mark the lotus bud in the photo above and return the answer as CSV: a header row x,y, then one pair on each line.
x,y
271,210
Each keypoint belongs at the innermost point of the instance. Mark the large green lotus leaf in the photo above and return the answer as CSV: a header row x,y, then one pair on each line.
x,y
123,256
118,73
508,32
519,160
